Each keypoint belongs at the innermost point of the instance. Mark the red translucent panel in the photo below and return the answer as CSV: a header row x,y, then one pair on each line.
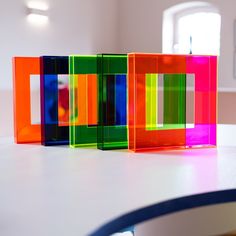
x,y
203,133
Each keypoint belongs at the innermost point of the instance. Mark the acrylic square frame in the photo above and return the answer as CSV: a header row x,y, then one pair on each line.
x,y
83,100
112,123
24,130
205,97
52,132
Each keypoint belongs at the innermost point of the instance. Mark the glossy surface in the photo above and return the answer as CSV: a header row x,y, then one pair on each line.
x,y
54,100
145,133
112,124
24,130
63,191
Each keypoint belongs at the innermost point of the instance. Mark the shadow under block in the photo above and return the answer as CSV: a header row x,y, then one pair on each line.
x,y
54,83
112,124
83,100
150,129
24,130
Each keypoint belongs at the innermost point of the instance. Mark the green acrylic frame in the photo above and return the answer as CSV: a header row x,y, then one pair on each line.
x,y
112,134
86,134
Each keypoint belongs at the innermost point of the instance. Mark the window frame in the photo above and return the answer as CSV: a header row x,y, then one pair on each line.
x,y
171,18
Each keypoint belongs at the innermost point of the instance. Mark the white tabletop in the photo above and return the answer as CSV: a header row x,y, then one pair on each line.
x,y
47,191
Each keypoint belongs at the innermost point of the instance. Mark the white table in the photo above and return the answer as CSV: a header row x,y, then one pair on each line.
x,y
47,191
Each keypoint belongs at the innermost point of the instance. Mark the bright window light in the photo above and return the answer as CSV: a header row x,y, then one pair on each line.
x,y
191,27
198,33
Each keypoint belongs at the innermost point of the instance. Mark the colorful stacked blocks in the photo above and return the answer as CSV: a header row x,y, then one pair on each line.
x,y
113,101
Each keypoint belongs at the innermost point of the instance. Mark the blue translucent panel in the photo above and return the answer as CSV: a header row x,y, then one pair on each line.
x,y
50,99
121,100
54,100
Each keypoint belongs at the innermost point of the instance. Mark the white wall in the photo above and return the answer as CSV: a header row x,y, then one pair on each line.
x,y
140,23
75,26
92,26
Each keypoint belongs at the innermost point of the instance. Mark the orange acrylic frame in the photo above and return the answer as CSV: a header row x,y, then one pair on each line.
x,y
205,96
24,131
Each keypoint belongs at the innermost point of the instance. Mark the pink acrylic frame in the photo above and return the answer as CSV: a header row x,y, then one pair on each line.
x,y
205,97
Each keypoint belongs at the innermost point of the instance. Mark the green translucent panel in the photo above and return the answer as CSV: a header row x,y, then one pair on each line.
x,y
173,115
151,101
83,64
82,133
174,101
112,121
112,64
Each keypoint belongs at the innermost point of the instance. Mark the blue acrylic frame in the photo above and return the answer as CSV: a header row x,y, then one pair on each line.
x,y
50,68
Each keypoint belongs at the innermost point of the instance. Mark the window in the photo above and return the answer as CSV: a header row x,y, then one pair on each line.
x,y
192,28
